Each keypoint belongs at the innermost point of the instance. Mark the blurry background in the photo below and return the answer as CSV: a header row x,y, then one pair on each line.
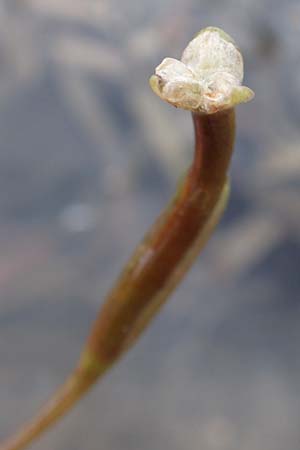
x,y
88,157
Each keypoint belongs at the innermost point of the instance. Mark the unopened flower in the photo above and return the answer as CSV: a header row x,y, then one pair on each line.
x,y
207,79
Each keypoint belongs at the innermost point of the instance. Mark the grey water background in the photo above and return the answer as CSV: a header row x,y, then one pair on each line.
x,y
88,158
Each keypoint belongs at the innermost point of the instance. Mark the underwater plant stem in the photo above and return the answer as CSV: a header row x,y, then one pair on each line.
x,y
64,398
153,271
161,254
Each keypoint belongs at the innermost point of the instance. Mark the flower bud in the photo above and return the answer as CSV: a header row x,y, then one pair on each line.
x,y
207,79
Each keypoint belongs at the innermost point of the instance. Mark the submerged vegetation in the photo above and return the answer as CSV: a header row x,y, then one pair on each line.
x,y
207,82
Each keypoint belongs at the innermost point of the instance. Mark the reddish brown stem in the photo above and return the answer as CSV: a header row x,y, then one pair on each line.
x,y
153,271
170,238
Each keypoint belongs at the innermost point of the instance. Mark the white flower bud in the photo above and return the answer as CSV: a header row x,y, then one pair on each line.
x,y
207,79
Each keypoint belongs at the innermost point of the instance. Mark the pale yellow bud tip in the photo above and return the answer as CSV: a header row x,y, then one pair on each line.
x,y
208,77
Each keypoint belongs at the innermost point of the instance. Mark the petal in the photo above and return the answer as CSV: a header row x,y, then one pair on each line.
x,y
172,69
241,94
213,50
176,84
185,94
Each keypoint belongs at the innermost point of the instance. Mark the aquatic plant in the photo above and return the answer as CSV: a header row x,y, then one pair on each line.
x,y
207,82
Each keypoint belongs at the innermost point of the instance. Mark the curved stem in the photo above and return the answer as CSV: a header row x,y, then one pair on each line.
x,y
61,402
160,254
153,271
